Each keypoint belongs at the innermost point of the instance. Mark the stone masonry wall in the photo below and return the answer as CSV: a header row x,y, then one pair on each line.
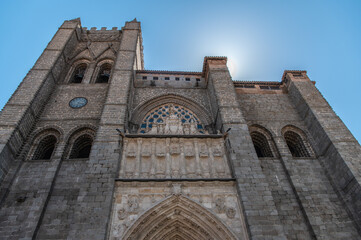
x,y
142,95
26,186
338,150
93,188
311,200
107,195
258,204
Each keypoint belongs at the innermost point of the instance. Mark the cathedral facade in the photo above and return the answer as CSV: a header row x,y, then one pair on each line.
x,y
93,146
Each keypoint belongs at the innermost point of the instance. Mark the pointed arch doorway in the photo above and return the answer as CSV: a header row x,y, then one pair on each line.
x,y
178,218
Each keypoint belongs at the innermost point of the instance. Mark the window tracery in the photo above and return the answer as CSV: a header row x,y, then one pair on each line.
x,y
171,119
81,147
261,145
45,148
296,144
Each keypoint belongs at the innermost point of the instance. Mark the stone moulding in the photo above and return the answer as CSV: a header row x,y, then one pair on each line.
x,y
178,215
173,136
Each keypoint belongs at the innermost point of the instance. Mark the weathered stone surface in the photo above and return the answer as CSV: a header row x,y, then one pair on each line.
x,y
160,155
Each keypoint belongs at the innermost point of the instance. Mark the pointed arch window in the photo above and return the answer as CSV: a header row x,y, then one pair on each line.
x,y
261,145
81,147
45,148
296,145
78,74
104,73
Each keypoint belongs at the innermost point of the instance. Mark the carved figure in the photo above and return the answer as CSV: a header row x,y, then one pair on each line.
x,y
122,214
193,128
160,150
146,150
219,205
131,150
217,150
133,204
203,151
176,189
188,150
186,128
174,147
161,128
231,212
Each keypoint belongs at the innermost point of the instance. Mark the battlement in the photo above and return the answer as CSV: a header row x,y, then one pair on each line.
x,y
103,34
103,29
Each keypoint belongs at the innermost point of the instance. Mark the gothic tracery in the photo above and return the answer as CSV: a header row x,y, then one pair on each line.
x,y
171,119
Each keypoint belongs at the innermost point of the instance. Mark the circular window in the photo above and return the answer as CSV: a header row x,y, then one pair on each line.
x,y
78,102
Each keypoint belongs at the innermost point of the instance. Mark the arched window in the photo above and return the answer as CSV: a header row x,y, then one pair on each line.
x,y
45,148
261,145
171,119
296,144
78,74
104,73
81,147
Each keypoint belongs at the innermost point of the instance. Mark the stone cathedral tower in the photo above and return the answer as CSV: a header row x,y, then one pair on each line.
x,y
95,147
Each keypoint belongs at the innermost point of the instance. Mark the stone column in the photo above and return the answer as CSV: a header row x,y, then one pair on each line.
x,y
260,213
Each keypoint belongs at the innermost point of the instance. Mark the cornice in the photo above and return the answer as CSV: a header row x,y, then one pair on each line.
x,y
169,72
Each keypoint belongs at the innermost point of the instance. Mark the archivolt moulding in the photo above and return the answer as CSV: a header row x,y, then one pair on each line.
x,y
178,216
141,110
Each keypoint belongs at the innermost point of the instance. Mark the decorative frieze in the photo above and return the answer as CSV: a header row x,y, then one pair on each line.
x,y
174,158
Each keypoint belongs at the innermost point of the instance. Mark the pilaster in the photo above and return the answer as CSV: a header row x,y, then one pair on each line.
x,y
30,181
256,199
338,151
106,151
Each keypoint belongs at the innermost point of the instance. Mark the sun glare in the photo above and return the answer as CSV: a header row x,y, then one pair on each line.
x,y
232,67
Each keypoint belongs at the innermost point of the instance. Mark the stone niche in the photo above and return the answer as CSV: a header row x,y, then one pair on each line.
x,y
163,210
174,157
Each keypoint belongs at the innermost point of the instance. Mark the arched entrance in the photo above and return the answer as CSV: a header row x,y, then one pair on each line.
x,y
178,217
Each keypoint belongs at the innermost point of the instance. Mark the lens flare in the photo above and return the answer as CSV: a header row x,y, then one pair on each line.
x,y
232,67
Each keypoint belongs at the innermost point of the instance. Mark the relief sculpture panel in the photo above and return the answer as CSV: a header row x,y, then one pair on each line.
x,y
149,210
174,158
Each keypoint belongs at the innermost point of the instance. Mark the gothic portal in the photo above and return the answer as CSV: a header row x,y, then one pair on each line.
x,y
93,146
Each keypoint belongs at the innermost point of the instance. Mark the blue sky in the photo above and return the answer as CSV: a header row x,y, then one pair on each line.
x,y
260,38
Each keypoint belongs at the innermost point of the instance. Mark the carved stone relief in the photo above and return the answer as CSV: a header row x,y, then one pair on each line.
x,y
174,158
171,119
158,211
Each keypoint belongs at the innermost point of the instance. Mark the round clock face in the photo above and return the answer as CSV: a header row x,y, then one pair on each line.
x,y
78,102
